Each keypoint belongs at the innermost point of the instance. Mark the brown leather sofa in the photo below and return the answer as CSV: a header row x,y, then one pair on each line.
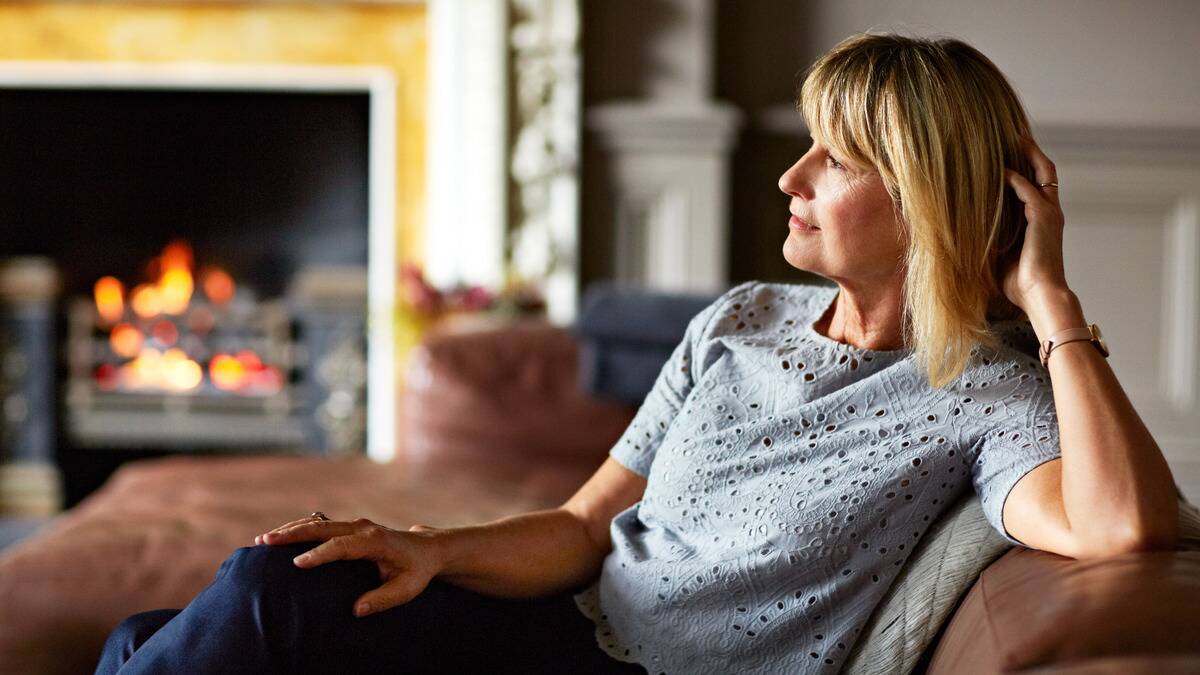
x,y
493,423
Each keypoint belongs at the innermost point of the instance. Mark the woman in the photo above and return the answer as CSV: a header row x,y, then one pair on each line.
x,y
794,448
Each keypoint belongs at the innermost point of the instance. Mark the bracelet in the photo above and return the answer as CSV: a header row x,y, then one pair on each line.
x,y
1091,333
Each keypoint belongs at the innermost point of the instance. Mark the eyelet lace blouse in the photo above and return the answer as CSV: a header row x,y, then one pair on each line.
x,y
789,476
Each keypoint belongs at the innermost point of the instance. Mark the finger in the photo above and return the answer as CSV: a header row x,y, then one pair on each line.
x,y
395,592
1025,190
258,539
293,523
312,530
1043,169
346,547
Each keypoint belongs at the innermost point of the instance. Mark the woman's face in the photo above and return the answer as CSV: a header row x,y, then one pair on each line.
x,y
843,226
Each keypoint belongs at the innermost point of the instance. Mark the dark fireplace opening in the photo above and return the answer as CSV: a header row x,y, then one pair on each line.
x,y
109,196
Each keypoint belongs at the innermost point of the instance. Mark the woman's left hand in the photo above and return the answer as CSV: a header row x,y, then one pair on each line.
x,y
1040,264
407,561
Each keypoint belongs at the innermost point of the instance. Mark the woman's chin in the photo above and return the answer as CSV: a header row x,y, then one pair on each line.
x,y
801,260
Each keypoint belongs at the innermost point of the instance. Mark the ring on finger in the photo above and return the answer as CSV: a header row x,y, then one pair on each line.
x,y
1046,185
318,516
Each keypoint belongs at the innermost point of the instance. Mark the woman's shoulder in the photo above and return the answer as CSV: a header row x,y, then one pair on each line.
x,y
1010,372
1016,342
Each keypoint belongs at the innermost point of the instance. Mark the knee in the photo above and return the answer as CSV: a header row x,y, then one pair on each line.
x,y
262,557
266,573
249,567
125,639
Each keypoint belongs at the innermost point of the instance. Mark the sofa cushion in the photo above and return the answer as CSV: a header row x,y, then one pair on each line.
x,y
499,392
627,334
155,534
945,564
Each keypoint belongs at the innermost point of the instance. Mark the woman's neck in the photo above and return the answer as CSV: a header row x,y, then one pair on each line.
x,y
867,318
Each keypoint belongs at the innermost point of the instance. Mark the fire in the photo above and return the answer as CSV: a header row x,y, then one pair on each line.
x,y
218,285
170,371
244,373
126,340
110,299
144,324
179,373
146,301
227,372
175,289
177,256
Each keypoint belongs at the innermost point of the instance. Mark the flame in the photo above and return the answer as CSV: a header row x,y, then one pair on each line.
x,y
218,285
142,372
227,372
169,294
110,302
146,301
125,340
178,372
249,360
175,288
171,370
175,284
177,256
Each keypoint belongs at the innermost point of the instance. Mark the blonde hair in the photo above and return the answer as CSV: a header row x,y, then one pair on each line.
x,y
939,122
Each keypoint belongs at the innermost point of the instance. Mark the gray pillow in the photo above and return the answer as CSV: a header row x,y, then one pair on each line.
x,y
946,562
958,547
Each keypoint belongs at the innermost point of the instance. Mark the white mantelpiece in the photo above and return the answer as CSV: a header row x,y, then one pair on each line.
x,y
669,173
669,162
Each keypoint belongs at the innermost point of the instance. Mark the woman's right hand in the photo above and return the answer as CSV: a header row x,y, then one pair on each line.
x,y
407,561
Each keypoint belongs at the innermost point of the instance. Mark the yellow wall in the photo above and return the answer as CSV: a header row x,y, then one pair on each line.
x,y
343,33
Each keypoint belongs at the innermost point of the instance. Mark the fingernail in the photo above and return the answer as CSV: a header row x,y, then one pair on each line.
x,y
302,558
362,609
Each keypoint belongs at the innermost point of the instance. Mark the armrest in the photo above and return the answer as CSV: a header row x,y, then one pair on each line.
x,y
1031,608
509,392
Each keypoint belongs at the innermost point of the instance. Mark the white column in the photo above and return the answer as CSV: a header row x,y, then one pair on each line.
x,y
466,154
669,159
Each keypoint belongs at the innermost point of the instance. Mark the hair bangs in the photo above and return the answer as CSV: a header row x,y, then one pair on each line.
x,y
835,111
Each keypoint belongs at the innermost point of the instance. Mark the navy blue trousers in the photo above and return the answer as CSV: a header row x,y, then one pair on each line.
x,y
262,614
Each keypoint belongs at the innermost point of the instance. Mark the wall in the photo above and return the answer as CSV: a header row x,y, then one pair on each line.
x,y
1111,90
1091,63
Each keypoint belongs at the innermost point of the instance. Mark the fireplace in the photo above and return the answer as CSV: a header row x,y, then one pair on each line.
x,y
183,360
217,242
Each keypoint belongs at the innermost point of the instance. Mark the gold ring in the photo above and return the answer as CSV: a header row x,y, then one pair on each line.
x,y
1053,185
317,515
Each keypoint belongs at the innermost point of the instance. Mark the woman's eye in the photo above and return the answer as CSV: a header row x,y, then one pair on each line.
x,y
836,164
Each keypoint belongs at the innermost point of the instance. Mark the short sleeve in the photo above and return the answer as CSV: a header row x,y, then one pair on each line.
x,y
1019,434
635,449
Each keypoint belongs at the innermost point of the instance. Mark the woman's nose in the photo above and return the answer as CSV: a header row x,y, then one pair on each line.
x,y
793,182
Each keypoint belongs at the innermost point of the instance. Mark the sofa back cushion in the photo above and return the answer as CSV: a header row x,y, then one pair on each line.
x,y
944,565
504,392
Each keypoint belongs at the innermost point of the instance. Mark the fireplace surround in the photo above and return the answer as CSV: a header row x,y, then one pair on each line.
x,y
285,176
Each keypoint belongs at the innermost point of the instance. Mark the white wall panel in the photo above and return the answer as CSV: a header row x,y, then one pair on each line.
x,y
1132,247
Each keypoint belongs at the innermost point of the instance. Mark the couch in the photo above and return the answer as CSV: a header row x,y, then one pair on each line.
x,y
493,422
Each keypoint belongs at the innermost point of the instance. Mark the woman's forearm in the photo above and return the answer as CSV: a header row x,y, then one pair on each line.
x,y
1117,488
523,556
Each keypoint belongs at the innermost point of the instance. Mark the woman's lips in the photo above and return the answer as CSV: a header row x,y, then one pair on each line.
x,y
801,226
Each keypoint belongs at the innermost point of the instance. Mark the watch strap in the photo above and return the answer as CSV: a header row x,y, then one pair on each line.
x,y
1062,337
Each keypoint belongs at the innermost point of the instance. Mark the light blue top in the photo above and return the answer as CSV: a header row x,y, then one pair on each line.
x,y
789,476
